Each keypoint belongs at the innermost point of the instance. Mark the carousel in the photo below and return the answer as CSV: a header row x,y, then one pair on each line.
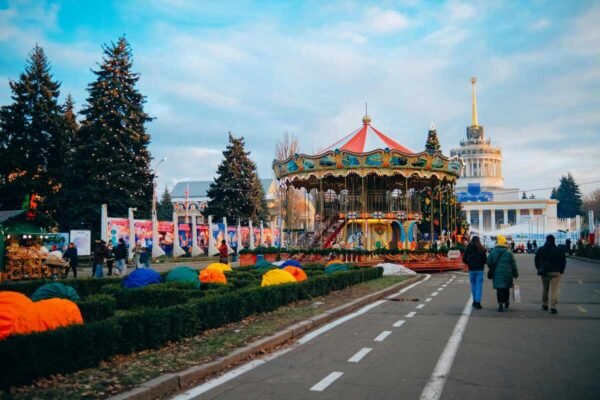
x,y
370,192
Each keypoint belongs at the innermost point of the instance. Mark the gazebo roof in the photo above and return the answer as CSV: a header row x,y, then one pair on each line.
x,y
366,139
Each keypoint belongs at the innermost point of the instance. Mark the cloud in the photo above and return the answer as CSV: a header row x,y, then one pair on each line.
x,y
384,22
540,24
185,163
459,11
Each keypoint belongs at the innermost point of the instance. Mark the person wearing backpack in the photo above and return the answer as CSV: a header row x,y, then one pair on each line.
x,y
503,269
475,258
550,262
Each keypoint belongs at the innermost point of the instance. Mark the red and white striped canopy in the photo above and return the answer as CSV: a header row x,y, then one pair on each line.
x,y
366,139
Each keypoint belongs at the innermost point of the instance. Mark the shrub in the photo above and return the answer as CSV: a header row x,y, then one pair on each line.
x,y
97,307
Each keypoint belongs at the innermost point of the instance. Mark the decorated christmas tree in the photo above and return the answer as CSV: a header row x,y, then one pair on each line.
x,y
236,191
433,144
111,156
32,139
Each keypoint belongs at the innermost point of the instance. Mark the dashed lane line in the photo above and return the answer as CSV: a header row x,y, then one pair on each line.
x,y
420,306
325,382
360,355
382,336
583,310
411,314
399,323
427,300
434,294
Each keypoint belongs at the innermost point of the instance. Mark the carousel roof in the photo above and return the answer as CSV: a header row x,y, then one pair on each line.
x,y
366,139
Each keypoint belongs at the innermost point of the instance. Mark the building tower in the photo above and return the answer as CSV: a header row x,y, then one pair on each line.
x,y
483,162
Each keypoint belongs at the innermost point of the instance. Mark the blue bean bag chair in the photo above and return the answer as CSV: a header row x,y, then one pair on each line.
x,y
141,277
335,268
185,275
291,263
55,290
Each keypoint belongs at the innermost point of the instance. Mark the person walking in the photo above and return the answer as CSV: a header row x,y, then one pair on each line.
x,y
110,257
529,247
475,257
535,246
569,246
121,257
100,252
223,253
550,262
71,256
503,269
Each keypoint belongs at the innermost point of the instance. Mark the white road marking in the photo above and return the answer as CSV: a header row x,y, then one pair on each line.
x,y
583,310
381,337
435,385
440,289
359,355
596,290
427,277
399,323
581,282
427,300
420,306
434,294
328,380
411,314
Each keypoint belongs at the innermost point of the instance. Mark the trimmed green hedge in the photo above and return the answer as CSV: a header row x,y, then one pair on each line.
x,y
97,307
24,358
84,287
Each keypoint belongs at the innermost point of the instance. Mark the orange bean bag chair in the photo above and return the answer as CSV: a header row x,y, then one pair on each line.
x,y
12,306
212,275
46,315
298,273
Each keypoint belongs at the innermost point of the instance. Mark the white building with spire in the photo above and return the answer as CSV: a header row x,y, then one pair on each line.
x,y
491,208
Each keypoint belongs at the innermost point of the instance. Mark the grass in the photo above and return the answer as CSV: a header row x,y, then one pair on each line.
x,y
121,373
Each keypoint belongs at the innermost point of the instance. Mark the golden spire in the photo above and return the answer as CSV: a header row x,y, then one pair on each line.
x,y
474,116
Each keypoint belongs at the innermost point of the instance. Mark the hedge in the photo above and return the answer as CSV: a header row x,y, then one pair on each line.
x,y
84,287
97,307
27,357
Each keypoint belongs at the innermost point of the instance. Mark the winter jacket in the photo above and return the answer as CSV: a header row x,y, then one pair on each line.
x,y
503,267
100,253
120,252
474,258
71,256
223,251
552,257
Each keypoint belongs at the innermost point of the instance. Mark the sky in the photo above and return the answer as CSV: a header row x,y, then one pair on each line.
x,y
263,68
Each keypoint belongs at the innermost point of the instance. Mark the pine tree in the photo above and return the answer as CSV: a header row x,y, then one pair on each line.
x,y
569,197
111,148
553,193
524,197
433,144
236,191
32,140
164,210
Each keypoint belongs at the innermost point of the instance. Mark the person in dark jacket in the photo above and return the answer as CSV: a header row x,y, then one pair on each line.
x,y
503,269
100,252
71,256
110,257
550,261
223,253
121,257
569,246
475,258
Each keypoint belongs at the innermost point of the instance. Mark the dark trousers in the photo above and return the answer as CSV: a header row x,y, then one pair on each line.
x,y
74,269
109,264
502,295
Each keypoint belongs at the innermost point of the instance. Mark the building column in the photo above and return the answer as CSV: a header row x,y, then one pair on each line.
x,y
493,219
518,217
480,221
505,216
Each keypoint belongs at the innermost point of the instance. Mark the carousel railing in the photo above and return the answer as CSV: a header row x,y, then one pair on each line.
x,y
373,201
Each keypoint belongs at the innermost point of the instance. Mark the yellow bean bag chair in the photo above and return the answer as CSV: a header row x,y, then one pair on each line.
x,y
277,277
297,273
212,276
46,315
219,266
336,261
12,306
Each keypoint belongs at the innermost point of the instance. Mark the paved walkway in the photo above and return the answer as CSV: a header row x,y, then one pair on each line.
x,y
437,347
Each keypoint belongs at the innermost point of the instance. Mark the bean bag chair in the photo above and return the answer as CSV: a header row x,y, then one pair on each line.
x,y
141,277
46,315
336,261
55,290
184,274
12,306
277,277
297,273
220,266
212,275
291,263
335,268
262,264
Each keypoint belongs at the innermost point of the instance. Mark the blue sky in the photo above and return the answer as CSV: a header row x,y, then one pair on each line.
x,y
261,68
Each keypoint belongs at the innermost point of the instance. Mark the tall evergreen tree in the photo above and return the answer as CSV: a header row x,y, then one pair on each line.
x,y
32,140
164,209
569,197
433,144
111,148
524,197
553,193
236,191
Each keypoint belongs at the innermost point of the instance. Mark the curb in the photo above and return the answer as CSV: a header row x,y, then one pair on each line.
x,y
171,382
590,260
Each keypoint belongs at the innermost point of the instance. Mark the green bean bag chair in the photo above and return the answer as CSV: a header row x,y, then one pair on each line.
x,y
331,268
55,290
262,264
184,274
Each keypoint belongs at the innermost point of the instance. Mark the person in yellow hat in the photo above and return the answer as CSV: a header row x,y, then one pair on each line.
x,y
503,269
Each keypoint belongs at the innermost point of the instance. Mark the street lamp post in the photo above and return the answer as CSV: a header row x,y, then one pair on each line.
x,y
156,250
154,194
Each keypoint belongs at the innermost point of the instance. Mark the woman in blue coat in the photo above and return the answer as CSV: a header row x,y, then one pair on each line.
x,y
503,269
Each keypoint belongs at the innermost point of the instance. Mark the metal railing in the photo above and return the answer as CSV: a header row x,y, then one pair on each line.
x,y
384,201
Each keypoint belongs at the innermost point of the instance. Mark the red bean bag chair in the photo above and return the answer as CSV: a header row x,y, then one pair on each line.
x,y
46,315
298,273
212,275
12,306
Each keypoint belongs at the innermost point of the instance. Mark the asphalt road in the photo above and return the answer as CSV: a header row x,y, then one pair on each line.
x,y
443,349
